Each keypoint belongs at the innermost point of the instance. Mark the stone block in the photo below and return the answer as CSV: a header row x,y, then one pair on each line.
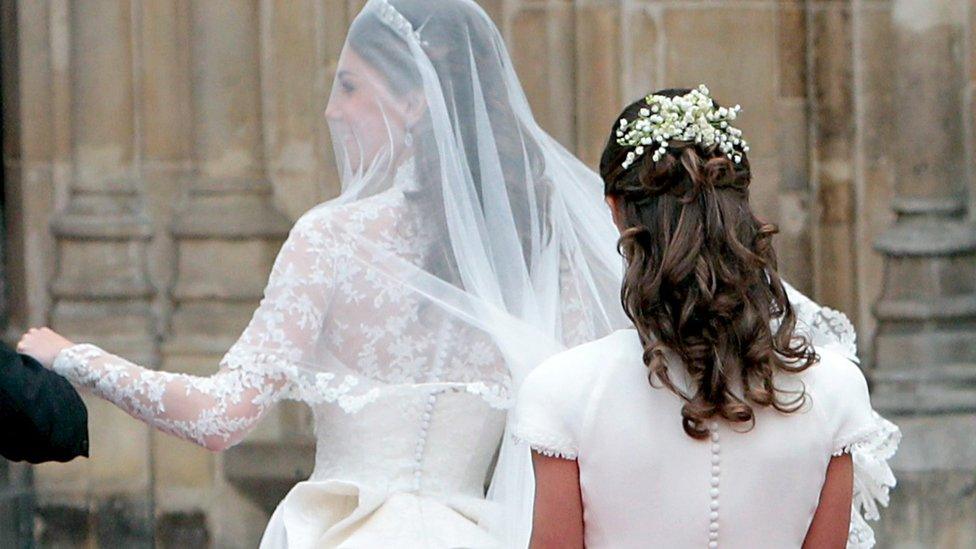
x,y
793,243
641,48
791,33
540,37
874,61
266,471
874,216
10,84
739,71
927,84
62,527
226,94
932,510
123,521
598,78
293,105
832,73
34,122
181,464
182,530
241,274
166,81
102,116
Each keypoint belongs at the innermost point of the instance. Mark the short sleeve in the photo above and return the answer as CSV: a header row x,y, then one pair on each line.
x,y
851,405
548,415
870,439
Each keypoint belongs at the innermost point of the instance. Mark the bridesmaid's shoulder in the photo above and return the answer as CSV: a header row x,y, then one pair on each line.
x,y
588,360
833,374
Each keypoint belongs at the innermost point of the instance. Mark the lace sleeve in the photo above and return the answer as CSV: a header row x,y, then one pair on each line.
x,y
214,412
263,366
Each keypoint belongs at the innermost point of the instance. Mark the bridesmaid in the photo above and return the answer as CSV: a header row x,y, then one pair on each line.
x,y
712,421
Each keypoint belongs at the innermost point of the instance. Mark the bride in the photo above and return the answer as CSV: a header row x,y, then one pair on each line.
x,y
466,246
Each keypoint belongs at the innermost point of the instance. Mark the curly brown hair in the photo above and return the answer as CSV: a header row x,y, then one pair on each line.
x,y
701,280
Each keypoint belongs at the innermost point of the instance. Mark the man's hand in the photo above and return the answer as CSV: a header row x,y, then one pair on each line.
x,y
43,344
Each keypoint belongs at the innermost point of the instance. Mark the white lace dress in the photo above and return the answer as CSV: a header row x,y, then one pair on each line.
x,y
409,409
645,483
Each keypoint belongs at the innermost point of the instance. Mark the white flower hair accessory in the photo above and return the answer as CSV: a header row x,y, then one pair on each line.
x,y
692,117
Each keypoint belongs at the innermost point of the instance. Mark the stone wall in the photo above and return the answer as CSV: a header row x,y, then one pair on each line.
x,y
143,139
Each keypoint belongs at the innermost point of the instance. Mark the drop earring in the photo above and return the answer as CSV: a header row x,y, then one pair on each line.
x,y
408,139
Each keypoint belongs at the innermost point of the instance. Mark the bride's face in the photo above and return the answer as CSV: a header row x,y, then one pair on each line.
x,y
365,117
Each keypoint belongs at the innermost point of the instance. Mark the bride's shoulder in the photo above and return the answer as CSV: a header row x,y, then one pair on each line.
x,y
361,216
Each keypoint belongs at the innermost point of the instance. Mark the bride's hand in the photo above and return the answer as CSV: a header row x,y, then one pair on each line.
x,y
43,344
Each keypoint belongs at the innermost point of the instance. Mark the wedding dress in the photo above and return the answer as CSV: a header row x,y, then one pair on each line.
x,y
465,247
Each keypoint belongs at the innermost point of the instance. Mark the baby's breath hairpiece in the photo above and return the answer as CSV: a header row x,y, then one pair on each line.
x,y
691,117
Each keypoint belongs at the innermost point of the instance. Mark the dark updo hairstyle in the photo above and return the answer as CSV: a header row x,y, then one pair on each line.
x,y
701,279
456,35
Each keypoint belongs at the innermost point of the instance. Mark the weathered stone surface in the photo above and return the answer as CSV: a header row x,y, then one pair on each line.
x,y
182,530
542,36
791,35
598,77
642,47
102,118
214,111
165,80
226,89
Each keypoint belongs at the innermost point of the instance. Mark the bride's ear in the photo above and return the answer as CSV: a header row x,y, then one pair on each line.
x,y
414,107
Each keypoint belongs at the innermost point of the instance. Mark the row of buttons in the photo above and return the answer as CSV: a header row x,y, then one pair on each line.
x,y
436,368
422,441
716,471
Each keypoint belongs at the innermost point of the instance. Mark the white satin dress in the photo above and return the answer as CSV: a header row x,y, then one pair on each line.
x,y
646,484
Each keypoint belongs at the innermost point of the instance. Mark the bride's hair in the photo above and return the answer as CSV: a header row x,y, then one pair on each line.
x,y
701,279
458,40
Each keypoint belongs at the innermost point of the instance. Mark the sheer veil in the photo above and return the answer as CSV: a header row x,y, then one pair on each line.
x,y
466,245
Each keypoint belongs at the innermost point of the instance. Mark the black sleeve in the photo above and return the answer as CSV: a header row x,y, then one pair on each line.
x,y
42,415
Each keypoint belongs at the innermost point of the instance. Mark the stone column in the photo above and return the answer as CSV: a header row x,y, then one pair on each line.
x,y
540,39
832,143
793,244
226,233
101,291
926,342
925,347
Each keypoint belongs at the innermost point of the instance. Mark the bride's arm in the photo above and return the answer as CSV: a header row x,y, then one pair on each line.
x,y
217,411
214,412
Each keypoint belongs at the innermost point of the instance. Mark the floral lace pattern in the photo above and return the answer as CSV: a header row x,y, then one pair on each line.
x,y
823,326
214,412
332,327
870,451
545,444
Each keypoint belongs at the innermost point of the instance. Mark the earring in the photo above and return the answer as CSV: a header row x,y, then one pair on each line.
x,y
408,139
